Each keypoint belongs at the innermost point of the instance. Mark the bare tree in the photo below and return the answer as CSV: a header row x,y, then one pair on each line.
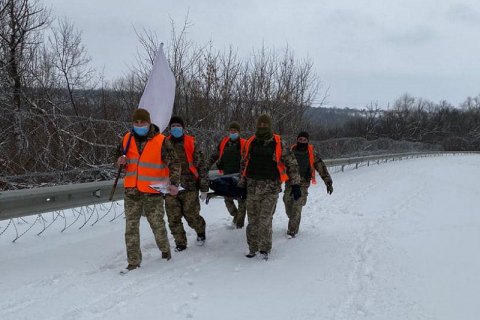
x,y
149,45
20,24
70,59
471,103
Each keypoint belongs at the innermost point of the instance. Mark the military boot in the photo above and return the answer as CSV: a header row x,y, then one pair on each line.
x,y
167,255
180,247
129,268
201,239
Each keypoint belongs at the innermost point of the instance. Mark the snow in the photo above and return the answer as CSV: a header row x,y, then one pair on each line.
x,y
399,240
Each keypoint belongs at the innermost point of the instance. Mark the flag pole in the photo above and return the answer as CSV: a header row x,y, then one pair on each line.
x,y
114,187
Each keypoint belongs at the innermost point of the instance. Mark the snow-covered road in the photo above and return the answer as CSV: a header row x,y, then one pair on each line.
x,y
396,241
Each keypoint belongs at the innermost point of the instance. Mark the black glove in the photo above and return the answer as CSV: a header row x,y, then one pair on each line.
x,y
329,188
242,193
296,192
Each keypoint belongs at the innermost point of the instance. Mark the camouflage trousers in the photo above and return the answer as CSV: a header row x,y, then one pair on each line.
x,y
294,208
152,207
184,205
239,213
260,210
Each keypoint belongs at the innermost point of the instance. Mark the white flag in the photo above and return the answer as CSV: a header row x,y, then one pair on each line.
x,y
159,93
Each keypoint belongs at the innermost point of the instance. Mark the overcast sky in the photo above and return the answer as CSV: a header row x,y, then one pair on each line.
x,y
364,51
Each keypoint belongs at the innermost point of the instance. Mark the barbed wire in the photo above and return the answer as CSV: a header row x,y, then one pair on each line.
x,y
64,149
65,219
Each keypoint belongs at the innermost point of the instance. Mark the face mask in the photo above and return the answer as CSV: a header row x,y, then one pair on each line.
x,y
177,132
263,133
234,136
302,146
141,131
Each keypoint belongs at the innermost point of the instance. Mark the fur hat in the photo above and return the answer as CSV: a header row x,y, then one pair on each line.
x,y
141,115
264,119
234,125
177,119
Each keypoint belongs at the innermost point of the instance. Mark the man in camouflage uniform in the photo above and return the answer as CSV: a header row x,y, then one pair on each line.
x,y
227,158
194,177
147,202
267,163
308,161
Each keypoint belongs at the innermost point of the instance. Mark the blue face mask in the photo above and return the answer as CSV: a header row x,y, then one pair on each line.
x,y
177,132
141,131
234,136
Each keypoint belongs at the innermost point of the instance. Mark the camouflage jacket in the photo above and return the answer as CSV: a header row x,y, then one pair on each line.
x,y
168,156
320,167
187,179
270,186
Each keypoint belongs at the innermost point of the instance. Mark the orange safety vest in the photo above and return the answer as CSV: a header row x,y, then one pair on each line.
x,y
311,160
147,168
189,147
222,148
278,156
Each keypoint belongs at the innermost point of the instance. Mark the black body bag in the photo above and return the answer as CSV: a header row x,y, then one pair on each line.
x,y
225,185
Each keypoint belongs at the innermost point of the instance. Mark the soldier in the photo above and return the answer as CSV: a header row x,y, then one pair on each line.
x,y
228,158
266,164
193,178
149,159
308,161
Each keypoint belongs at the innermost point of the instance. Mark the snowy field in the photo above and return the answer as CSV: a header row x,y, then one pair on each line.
x,y
399,240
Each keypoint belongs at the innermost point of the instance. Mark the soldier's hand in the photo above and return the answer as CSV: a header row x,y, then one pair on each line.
x,y
173,189
122,160
203,196
329,188
296,192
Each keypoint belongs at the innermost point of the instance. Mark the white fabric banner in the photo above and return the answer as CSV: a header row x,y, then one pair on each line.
x,y
159,93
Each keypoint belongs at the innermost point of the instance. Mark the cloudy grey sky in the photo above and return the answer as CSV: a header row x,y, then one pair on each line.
x,y
364,51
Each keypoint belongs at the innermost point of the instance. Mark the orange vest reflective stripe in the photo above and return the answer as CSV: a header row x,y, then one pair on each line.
x,y
278,157
311,161
222,148
147,168
189,147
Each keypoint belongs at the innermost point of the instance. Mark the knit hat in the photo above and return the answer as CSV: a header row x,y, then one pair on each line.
x,y
304,134
234,125
141,115
177,119
264,119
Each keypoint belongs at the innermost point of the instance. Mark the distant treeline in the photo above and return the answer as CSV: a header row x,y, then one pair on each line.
x,y
410,119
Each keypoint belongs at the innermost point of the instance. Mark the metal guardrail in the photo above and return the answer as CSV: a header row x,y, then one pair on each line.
x,y
342,162
21,203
